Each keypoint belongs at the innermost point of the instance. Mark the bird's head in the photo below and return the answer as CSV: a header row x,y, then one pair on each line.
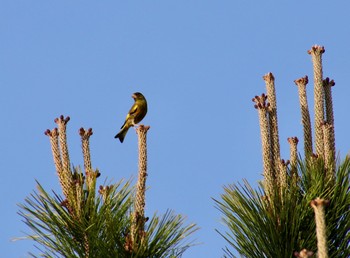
x,y
137,95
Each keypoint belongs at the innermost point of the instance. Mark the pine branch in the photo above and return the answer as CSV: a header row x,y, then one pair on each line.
x,y
316,54
305,115
269,176
273,123
319,208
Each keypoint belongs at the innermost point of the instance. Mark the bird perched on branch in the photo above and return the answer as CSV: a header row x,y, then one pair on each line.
x,y
136,114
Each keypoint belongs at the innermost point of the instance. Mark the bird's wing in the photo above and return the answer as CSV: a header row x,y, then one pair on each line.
x,y
131,113
133,109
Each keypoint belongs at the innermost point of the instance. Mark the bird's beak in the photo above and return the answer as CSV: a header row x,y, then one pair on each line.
x,y
133,96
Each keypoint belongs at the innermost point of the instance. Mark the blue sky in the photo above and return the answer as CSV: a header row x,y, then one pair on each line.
x,y
198,63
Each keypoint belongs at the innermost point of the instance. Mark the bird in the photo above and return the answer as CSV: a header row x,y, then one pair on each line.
x,y
136,113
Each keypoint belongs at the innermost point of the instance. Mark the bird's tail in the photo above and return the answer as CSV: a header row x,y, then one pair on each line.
x,y
122,133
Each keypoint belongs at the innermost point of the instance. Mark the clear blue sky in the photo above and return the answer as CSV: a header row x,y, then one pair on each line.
x,y
198,63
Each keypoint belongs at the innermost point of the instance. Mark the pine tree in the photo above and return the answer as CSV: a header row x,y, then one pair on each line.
x,y
105,221
301,207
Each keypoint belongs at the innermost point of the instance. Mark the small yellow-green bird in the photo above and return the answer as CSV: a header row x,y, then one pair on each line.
x,y
137,112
